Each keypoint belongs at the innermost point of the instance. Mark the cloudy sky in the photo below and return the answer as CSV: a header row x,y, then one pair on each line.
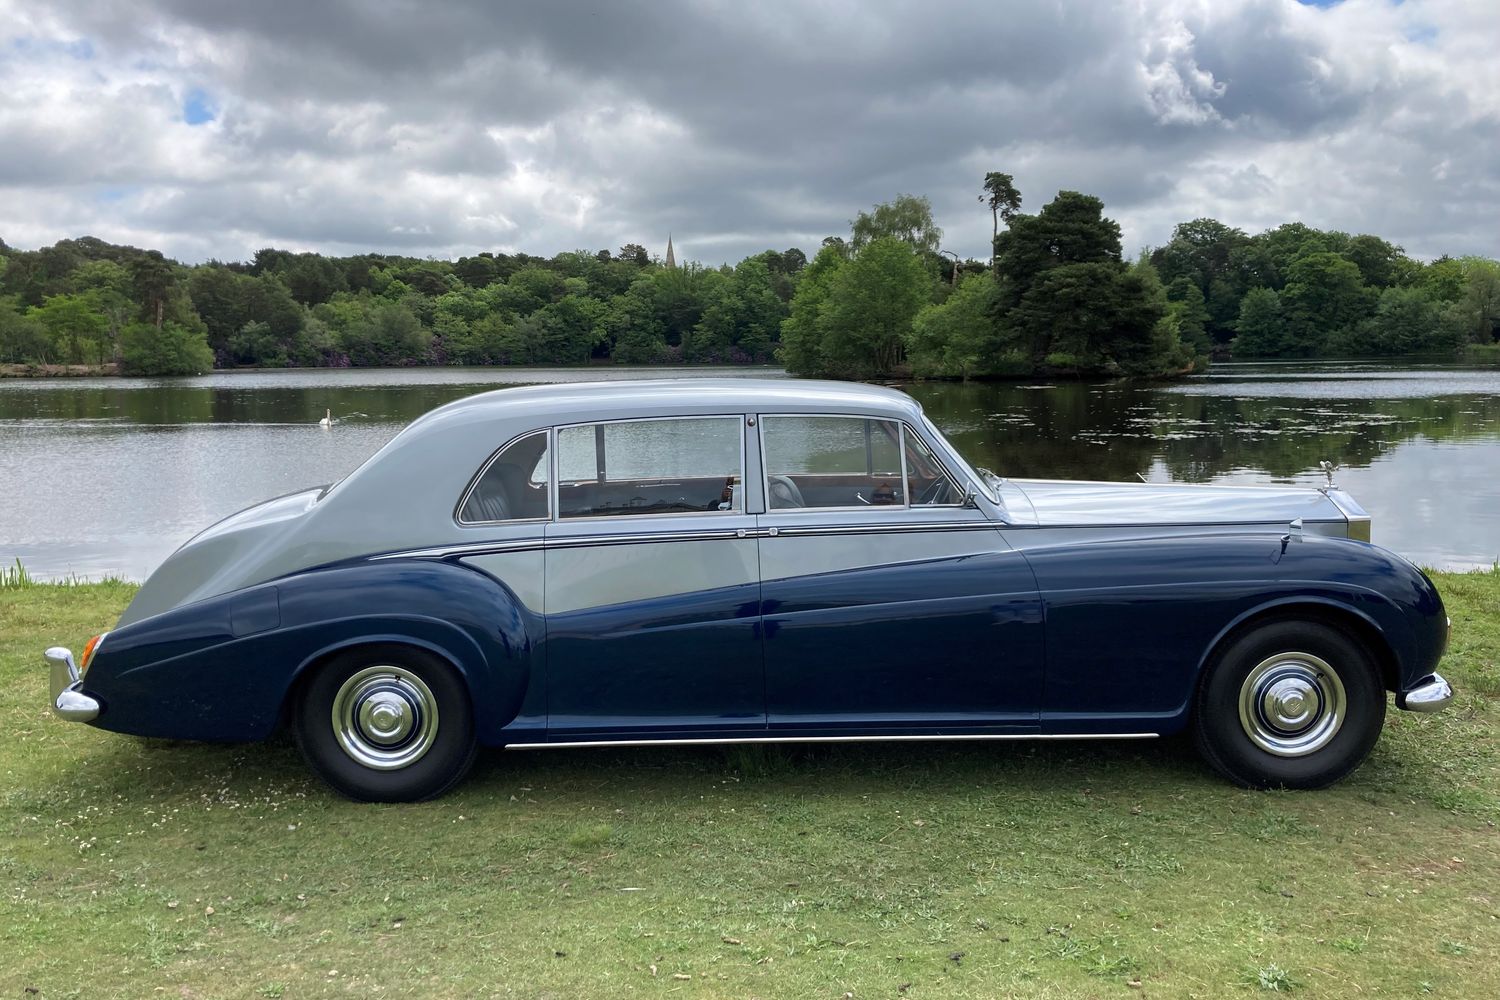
x,y
211,129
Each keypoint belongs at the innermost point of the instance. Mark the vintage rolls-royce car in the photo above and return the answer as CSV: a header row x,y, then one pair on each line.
x,y
715,561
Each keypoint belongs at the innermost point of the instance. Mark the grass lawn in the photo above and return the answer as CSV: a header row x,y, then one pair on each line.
x,y
138,868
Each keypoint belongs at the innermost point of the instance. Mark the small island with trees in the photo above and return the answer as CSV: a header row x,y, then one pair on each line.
x,y
1057,298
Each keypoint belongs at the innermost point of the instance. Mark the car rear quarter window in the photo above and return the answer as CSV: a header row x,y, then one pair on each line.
x,y
686,465
512,486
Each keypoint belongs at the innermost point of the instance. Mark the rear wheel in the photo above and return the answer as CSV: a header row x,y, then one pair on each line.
x,y
1289,704
387,723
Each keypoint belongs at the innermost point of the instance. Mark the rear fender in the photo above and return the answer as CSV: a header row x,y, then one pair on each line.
x,y
222,669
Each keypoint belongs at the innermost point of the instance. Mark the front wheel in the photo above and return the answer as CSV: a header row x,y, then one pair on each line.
x,y
387,723
1290,704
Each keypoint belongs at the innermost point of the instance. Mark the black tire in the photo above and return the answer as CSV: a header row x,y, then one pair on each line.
x,y
410,687
1248,720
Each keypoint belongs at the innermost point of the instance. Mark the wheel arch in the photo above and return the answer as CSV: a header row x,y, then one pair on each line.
x,y
1350,620
311,663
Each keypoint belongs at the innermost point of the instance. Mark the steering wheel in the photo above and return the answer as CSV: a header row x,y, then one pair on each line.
x,y
935,493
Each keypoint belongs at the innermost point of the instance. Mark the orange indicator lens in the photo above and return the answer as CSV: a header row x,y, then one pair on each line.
x,y
88,652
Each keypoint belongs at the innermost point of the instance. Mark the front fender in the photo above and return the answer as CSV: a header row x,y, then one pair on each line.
x,y
221,669
1131,622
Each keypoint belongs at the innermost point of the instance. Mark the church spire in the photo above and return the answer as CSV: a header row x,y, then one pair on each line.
x,y
671,260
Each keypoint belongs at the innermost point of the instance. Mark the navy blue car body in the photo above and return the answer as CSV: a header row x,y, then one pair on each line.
x,y
889,592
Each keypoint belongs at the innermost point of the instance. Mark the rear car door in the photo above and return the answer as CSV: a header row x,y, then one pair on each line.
x,y
888,603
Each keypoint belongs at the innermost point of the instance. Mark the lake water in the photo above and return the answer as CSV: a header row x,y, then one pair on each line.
x,y
108,476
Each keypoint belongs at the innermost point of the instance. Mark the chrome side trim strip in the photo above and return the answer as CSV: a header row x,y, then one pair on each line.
x,y
905,527
1249,526
471,549
588,541
902,738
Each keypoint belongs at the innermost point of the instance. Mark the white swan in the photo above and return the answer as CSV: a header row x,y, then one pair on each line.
x,y
327,420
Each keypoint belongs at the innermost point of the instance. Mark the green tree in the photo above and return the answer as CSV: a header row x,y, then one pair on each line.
x,y
1379,262
311,279
1479,309
1067,299
1262,329
1324,294
1187,306
802,331
1287,242
75,328
908,218
1003,199
634,326
23,340
1071,229
958,338
1442,280
154,279
871,304
218,296
635,254
105,284
386,334
1406,321
170,349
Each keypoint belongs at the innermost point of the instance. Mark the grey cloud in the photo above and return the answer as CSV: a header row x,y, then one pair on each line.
x,y
448,128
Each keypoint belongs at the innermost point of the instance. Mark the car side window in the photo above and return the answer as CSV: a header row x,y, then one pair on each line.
x,y
678,465
512,486
832,462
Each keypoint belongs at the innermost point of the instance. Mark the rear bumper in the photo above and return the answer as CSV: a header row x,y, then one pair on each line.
x,y
1432,695
68,700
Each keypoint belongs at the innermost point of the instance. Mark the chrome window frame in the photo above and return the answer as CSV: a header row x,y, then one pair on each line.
x,y
484,468
942,468
556,504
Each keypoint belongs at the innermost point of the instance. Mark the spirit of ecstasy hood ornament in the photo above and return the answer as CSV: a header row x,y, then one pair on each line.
x,y
1329,468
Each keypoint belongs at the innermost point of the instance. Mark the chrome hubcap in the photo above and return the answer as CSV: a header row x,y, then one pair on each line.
x,y
1292,704
385,717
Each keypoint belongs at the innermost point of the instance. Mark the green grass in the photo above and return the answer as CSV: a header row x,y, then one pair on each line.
x,y
133,868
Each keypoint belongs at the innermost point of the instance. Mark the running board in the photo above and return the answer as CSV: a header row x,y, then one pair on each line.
x,y
721,740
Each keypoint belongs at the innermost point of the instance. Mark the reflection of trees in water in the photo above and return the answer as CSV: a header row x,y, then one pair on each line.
x,y
259,404
1112,432
1068,430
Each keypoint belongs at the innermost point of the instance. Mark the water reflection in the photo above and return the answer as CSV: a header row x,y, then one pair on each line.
x,y
109,475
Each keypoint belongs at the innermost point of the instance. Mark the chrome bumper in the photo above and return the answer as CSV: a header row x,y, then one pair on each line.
x,y
1431,696
68,700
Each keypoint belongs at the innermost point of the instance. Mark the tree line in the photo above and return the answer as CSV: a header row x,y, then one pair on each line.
x,y
85,301
1056,298
1296,291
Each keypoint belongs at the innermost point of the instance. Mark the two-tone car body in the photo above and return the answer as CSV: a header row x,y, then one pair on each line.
x,y
758,560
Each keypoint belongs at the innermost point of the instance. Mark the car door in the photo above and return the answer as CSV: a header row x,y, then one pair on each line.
x,y
652,583
883,610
